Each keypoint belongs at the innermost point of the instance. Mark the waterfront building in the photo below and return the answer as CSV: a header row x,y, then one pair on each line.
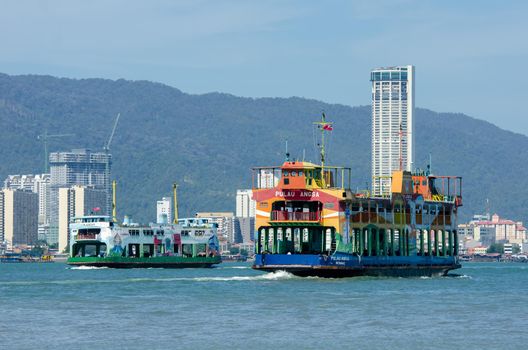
x,y
78,167
74,202
36,183
43,232
392,124
487,231
225,222
480,250
164,211
245,205
244,230
19,217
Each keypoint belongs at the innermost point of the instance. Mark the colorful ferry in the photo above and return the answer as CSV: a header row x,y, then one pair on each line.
x,y
100,241
310,223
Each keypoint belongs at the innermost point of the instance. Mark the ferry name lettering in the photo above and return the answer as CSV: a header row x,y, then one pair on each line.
x,y
305,194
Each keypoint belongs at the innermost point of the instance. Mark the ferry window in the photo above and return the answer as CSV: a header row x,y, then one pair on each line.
x,y
293,173
187,250
300,173
285,173
279,234
201,249
288,234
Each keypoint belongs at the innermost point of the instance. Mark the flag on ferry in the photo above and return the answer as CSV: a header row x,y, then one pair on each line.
x,y
328,127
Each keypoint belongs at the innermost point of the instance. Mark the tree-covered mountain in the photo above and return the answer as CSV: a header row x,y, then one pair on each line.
x,y
208,143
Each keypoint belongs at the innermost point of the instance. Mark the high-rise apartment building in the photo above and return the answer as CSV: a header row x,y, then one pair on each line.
x,y
244,230
39,184
74,202
392,124
245,217
19,212
163,211
78,167
245,205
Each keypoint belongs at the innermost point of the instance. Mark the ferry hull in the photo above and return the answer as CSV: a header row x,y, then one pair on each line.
x,y
347,265
159,262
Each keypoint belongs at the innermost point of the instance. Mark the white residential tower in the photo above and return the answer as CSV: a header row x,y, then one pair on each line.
x,y
392,124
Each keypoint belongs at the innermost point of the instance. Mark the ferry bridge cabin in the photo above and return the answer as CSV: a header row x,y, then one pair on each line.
x,y
311,210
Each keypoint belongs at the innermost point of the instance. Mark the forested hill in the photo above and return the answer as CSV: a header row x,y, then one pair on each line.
x,y
208,143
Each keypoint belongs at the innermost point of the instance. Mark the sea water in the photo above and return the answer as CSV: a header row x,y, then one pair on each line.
x,y
54,306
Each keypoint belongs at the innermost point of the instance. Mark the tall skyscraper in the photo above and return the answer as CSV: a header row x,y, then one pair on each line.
x,y
163,211
78,167
392,124
74,202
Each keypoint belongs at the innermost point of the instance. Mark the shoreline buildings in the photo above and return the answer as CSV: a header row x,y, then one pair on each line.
x,y
483,231
225,223
18,217
39,184
392,124
78,167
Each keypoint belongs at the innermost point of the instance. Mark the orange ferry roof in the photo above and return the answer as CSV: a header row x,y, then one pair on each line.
x,y
298,165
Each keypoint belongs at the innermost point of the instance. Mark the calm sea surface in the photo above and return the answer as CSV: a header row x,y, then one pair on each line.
x,y
52,306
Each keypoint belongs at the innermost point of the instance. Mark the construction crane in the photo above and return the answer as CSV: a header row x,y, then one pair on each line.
x,y
45,139
106,148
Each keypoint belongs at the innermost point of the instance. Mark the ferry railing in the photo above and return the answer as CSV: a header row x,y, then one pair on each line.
x,y
278,215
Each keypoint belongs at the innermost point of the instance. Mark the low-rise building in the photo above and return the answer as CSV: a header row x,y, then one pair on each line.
x,y
488,230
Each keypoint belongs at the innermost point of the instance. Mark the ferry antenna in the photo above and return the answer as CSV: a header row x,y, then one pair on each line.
x,y
323,126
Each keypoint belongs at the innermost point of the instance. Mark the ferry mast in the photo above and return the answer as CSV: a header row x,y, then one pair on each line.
x,y
323,126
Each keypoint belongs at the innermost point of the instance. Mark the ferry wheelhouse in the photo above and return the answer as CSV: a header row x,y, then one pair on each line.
x,y
310,223
99,241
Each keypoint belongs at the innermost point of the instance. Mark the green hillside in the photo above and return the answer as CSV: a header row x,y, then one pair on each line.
x,y
208,143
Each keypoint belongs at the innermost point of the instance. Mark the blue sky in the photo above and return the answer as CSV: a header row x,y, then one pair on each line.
x,y
469,55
